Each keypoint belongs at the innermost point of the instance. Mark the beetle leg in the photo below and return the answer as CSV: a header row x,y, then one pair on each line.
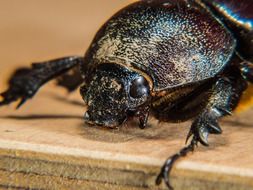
x,y
71,80
225,96
247,71
205,124
143,117
166,169
226,93
25,82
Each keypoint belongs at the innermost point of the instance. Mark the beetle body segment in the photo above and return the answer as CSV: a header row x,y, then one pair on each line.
x,y
238,13
174,45
238,18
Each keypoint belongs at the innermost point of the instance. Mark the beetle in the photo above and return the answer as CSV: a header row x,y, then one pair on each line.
x,y
176,59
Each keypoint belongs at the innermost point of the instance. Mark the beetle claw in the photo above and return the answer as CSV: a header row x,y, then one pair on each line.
x,y
214,128
203,137
167,167
164,173
202,127
189,136
225,111
143,117
23,100
7,97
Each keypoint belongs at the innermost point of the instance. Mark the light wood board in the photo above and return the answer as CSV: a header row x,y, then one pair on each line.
x,y
46,145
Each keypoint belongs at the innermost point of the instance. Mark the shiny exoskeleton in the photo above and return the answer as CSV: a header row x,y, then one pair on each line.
x,y
176,59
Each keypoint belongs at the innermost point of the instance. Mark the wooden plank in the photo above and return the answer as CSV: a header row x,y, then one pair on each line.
x,y
46,145
44,139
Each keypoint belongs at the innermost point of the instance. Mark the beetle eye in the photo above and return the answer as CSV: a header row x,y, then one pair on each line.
x,y
139,87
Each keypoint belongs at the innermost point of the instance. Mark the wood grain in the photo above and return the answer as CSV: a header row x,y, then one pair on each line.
x,y
46,145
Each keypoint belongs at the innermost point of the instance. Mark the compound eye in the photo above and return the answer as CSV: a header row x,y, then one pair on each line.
x,y
139,88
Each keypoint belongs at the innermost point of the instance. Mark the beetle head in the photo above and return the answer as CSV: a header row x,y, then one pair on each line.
x,y
114,91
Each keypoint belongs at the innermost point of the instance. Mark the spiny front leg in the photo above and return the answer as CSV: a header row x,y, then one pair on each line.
x,y
225,97
247,70
205,124
226,93
25,82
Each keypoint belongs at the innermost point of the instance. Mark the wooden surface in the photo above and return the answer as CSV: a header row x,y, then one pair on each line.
x,y
46,145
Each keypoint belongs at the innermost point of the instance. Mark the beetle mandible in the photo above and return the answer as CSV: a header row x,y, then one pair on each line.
x,y
178,59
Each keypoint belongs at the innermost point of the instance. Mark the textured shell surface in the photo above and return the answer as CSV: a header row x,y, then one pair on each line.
x,y
238,17
239,12
174,43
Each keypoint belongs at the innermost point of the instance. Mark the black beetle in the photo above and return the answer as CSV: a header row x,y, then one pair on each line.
x,y
179,59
